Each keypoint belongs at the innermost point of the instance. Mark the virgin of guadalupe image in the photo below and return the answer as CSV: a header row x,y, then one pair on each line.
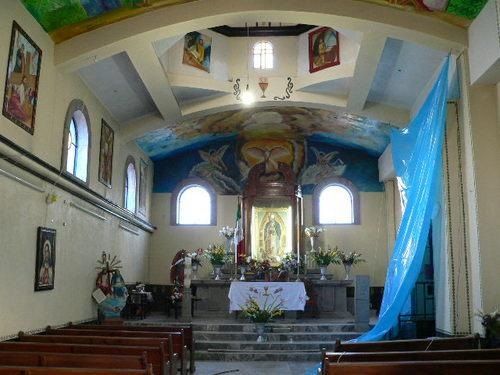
x,y
46,272
272,234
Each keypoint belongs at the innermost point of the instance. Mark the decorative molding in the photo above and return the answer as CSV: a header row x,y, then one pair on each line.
x,y
24,160
124,227
262,31
237,90
87,211
21,181
288,90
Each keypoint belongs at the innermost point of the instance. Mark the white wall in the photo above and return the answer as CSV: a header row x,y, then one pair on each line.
x,y
80,237
369,238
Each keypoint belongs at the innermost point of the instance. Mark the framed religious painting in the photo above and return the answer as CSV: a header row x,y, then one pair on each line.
x,y
323,49
197,50
45,259
21,82
106,154
143,186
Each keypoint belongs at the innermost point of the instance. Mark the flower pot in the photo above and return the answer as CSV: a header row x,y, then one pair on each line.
x,y
347,268
217,271
322,269
260,329
243,269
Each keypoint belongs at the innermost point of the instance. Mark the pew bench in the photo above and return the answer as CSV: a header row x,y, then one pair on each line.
x,y
177,338
475,367
153,355
27,370
165,344
187,329
44,359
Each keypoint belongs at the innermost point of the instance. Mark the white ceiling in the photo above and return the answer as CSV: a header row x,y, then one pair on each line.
x,y
403,72
115,82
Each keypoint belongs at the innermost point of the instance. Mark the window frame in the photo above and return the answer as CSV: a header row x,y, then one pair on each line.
x,y
129,161
263,54
179,189
74,106
350,187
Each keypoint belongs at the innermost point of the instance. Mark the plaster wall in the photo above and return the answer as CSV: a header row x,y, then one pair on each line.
x,y
369,238
80,237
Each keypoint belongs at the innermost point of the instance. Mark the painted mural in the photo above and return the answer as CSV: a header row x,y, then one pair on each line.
x,y
292,124
225,164
68,18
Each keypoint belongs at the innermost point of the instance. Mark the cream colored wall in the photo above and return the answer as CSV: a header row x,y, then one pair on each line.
x,y
80,237
369,238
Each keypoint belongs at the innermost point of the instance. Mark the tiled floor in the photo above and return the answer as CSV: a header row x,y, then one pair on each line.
x,y
252,368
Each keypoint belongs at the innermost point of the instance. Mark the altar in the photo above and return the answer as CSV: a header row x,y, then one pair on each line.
x,y
328,298
290,296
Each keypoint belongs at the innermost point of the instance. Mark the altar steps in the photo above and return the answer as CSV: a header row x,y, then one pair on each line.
x,y
288,341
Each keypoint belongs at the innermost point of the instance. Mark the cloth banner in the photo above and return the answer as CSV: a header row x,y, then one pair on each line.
x,y
417,155
291,295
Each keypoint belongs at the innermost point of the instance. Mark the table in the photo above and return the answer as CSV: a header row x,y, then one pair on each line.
x,y
291,294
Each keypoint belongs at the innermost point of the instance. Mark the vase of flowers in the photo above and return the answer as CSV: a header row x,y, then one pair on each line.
x,y
217,257
228,234
491,324
313,233
262,313
195,262
323,258
349,260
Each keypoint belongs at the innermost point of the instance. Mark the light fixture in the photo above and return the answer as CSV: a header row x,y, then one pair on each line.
x,y
247,97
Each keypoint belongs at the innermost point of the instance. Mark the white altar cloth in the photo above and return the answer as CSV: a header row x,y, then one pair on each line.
x,y
292,294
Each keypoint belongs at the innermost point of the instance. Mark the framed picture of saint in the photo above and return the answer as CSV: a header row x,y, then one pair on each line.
x,y
197,50
106,154
324,49
45,259
21,82
143,186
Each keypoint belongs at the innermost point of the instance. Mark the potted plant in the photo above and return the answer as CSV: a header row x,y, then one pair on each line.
x,y
228,234
217,257
262,313
349,260
246,262
195,261
323,258
491,324
289,265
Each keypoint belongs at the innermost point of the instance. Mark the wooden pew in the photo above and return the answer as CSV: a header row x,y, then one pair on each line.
x,y
26,370
486,367
187,329
164,343
137,362
435,343
154,355
433,355
177,338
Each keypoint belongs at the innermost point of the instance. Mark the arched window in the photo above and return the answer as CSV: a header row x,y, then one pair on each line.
x,y
263,55
76,141
336,201
130,190
193,203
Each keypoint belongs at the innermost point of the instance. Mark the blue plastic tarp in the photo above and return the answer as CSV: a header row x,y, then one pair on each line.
x,y
417,155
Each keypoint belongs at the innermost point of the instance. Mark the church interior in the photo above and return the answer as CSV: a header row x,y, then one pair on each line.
x,y
253,187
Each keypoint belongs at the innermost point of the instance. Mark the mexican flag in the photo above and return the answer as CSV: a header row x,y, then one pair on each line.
x,y
239,244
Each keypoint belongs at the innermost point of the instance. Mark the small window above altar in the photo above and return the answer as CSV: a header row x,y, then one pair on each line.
x,y
336,202
193,203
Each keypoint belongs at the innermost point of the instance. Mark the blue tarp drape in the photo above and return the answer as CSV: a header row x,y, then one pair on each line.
x,y
417,155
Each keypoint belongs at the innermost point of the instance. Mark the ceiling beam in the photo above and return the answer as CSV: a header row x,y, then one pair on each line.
x,y
150,69
370,52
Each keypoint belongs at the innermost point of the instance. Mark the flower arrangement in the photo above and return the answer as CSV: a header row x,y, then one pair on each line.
x,y
289,263
325,258
176,295
313,231
216,254
491,324
271,308
227,232
351,258
196,257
